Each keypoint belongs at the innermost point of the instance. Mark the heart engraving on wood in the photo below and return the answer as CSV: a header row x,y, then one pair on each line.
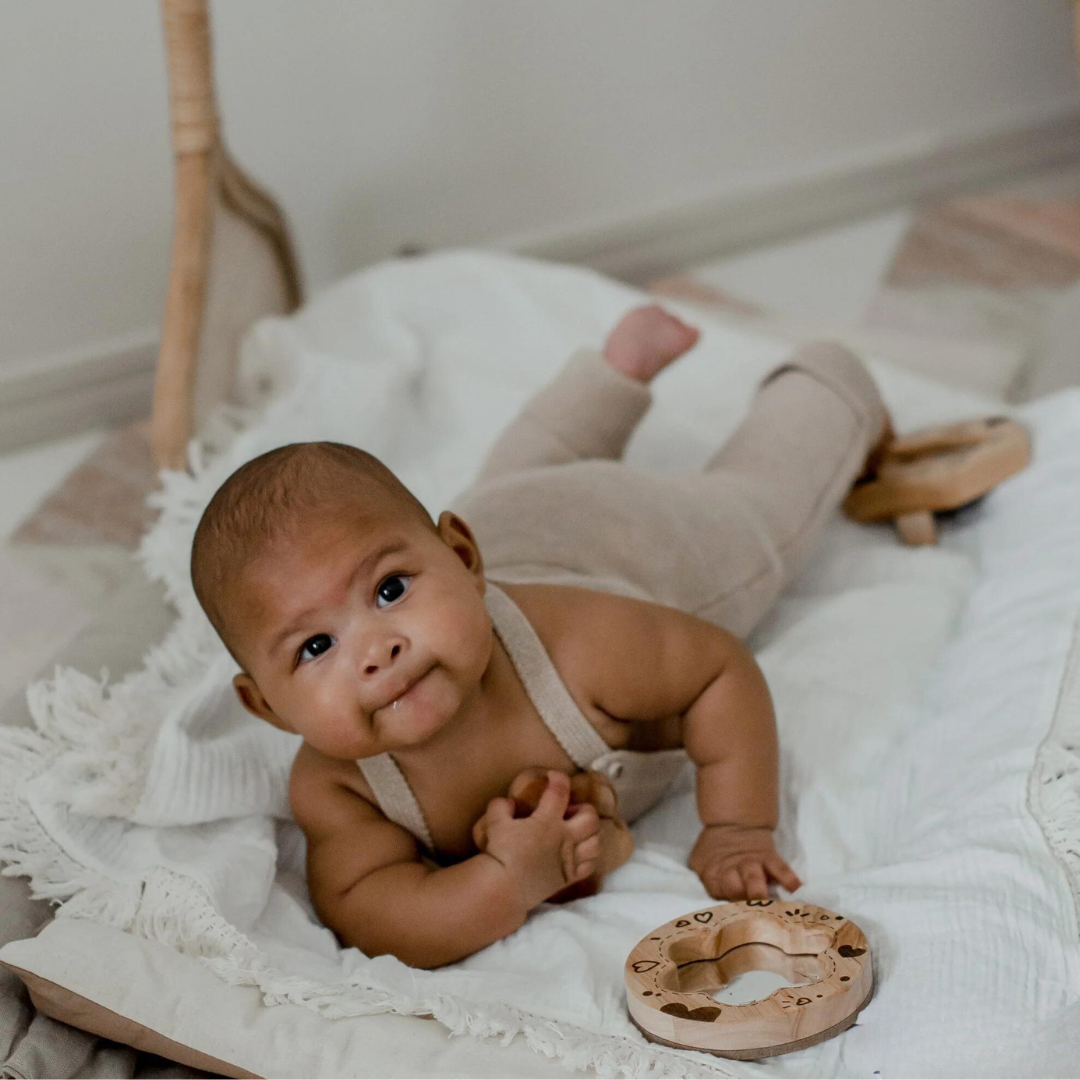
x,y
706,1014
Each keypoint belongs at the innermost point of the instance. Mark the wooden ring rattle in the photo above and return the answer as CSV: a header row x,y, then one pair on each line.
x,y
937,469
672,974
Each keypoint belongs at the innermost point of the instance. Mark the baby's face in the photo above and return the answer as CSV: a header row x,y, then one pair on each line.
x,y
363,634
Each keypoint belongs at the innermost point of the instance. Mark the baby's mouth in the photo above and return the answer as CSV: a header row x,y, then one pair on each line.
x,y
393,702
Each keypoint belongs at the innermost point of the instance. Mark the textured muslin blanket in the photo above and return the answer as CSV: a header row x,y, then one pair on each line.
x,y
914,688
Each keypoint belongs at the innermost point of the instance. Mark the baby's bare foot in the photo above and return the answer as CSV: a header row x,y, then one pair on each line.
x,y
646,340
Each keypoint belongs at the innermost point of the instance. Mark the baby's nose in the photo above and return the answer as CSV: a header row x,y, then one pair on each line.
x,y
381,655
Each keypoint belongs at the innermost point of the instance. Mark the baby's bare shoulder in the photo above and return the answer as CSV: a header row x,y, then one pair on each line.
x,y
562,614
323,789
348,837
636,658
558,609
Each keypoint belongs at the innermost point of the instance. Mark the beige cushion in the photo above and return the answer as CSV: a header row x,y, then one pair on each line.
x,y
158,1000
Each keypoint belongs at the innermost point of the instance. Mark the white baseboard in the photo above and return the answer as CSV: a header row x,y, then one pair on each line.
x,y
55,396
642,246
111,383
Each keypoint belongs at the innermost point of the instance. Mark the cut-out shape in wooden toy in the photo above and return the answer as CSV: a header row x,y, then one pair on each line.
x,y
938,469
672,975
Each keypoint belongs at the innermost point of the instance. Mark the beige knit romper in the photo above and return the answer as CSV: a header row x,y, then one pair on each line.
x,y
639,778
554,504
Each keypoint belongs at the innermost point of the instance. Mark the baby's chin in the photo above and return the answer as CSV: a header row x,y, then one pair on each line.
x,y
417,715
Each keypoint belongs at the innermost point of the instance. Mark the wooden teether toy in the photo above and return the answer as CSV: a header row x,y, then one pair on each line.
x,y
672,974
938,469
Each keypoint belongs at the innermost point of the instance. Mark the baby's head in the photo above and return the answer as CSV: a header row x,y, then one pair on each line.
x,y
335,592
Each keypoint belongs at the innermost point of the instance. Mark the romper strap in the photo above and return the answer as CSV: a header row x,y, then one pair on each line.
x,y
394,796
541,681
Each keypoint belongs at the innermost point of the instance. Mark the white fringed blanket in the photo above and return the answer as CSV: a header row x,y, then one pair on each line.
x,y
914,690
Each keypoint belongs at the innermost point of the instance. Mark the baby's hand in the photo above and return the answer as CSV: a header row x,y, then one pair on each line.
x,y
735,862
587,788
554,846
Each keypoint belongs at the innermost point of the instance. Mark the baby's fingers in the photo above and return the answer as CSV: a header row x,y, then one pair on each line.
x,y
480,834
754,883
588,851
498,811
586,869
556,797
732,887
585,860
583,822
782,872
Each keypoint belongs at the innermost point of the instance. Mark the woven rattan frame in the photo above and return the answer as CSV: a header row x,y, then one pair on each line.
x,y
221,217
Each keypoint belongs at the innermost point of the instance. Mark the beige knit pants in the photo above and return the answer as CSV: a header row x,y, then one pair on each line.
x,y
553,502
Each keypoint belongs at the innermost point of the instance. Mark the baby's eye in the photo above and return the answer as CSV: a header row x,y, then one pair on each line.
x,y
313,647
392,588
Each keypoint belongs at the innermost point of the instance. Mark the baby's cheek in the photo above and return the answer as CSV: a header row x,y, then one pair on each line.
x,y
469,640
327,723
337,737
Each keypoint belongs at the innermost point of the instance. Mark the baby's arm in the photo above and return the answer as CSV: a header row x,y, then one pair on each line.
x,y
371,888
730,733
657,663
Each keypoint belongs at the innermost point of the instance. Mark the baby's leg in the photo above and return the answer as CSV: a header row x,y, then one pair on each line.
x,y
720,544
591,408
809,433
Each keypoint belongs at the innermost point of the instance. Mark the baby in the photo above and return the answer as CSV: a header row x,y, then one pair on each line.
x,y
486,699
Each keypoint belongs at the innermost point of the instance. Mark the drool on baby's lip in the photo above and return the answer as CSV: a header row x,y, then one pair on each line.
x,y
408,687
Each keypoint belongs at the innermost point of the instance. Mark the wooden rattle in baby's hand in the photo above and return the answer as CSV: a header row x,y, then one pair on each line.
x,y
587,788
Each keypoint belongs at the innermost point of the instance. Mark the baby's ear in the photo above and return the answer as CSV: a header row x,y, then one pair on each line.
x,y
251,698
459,538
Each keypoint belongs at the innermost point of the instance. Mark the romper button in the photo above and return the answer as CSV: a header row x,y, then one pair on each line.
x,y
615,770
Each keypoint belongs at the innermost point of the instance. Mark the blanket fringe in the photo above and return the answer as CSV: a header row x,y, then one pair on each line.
x,y
27,850
572,1046
107,731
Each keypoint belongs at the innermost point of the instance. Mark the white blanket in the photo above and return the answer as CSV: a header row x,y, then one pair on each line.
x,y
913,689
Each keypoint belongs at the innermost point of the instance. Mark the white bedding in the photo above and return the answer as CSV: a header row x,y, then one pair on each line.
x,y
913,687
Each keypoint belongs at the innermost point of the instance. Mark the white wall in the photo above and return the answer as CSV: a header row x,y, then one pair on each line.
x,y
385,122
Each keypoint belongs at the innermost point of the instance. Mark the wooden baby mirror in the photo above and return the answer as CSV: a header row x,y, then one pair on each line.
x,y
673,976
